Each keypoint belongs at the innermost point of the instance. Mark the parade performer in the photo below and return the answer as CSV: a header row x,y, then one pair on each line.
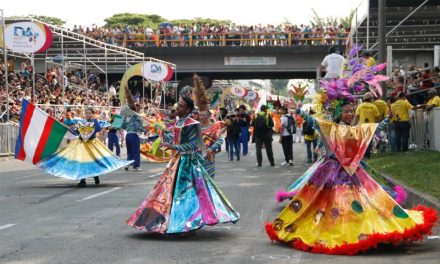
x,y
133,124
397,192
82,158
338,207
211,131
185,198
151,150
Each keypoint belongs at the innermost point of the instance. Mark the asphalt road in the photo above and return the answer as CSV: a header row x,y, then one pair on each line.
x,y
44,219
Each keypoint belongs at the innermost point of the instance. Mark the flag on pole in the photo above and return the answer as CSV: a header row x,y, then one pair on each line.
x,y
215,100
39,134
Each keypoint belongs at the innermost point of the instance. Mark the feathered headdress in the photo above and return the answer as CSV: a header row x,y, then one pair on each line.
x,y
356,80
299,91
199,94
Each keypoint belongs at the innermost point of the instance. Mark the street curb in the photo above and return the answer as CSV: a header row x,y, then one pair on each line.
x,y
6,158
415,197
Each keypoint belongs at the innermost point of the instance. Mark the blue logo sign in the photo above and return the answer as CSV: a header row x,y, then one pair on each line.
x,y
155,68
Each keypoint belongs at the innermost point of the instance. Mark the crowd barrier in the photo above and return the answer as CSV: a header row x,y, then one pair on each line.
x,y
425,129
8,137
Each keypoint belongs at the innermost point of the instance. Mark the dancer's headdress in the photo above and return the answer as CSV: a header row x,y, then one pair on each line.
x,y
357,79
199,94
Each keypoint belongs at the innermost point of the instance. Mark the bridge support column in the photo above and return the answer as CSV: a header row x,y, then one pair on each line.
x,y
389,60
436,55
381,33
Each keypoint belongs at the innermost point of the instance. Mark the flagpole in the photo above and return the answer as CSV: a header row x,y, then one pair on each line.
x,y
5,55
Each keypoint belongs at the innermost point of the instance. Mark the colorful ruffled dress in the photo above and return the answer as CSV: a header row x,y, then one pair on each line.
x,y
397,192
185,198
84,157
338,207
213,141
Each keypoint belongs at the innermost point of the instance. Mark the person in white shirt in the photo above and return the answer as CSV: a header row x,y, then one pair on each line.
x,y
332,64
112,90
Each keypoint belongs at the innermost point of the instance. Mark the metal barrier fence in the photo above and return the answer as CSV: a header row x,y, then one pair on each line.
x,y
425,129
8,137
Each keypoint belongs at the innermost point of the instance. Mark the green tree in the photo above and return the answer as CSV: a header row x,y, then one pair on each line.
x,y
346,21
279,86
46,19
133,20
201,21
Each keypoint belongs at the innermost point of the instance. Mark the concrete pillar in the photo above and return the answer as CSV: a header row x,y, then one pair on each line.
x,y
381,29
389,60
436,55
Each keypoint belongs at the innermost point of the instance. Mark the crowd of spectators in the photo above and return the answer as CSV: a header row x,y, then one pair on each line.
x,y
56,92
414,82
209,35
49,90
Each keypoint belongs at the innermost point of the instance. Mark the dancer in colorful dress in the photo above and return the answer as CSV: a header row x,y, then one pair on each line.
x,y
338,208
185,198
211,132
83,157
397,192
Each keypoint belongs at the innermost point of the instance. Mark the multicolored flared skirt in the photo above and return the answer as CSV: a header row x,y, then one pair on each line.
x,y
335,213
397,192
184,199
80,160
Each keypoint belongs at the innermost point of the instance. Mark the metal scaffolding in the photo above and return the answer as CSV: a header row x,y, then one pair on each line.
x,y
74,48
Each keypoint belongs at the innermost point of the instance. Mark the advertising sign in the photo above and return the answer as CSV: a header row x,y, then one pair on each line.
x,y
157,71
28,37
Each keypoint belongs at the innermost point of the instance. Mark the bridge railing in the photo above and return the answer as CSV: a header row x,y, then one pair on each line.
x,y
230,39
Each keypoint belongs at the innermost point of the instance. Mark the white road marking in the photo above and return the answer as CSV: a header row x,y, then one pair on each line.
x,y
155,175
7,226
36,174
99,194
250,184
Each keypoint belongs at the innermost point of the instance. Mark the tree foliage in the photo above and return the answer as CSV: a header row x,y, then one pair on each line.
x,y
279,86
346,21
322,22
201,21
153,21
133,20
47,19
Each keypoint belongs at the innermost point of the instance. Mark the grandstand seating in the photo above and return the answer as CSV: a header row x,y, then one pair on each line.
x,y
421,31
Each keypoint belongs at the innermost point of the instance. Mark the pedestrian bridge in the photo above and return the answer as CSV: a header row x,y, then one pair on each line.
x,y
243,62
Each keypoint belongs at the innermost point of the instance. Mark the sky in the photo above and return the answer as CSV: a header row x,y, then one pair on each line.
x,y
87,13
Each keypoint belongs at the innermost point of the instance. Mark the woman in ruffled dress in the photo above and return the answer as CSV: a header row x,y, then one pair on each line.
x,y
185,198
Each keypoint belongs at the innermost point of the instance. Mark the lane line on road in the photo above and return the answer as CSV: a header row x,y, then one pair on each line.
x,y
99,194
36,174
155,175
6,226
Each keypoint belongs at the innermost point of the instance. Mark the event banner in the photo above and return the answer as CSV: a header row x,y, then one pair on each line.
x,y
157,71
27,37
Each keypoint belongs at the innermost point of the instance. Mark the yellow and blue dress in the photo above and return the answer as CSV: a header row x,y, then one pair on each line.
x,y
83,157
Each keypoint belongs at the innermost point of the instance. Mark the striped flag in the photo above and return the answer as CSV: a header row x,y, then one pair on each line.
x,y
39,134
